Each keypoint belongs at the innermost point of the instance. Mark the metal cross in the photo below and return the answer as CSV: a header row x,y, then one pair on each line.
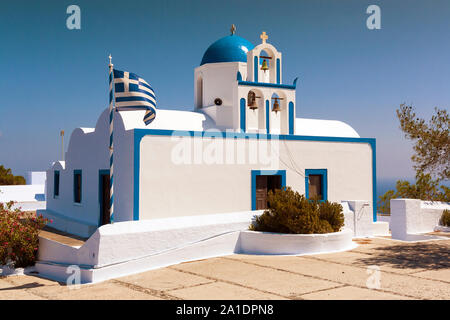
x,y
264,37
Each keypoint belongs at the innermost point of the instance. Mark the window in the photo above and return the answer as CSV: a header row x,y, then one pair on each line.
x,y
316,184
262,182
56,184
77,186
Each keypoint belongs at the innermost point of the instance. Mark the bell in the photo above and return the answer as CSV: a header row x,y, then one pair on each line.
x,y
253,105
264,66
276,106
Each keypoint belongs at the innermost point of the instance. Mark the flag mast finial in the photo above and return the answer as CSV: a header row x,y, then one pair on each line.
x,y
110,61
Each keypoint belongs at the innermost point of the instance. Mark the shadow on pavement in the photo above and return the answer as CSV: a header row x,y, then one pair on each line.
x,y
411,256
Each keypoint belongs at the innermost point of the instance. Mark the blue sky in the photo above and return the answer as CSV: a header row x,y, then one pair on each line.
x,y
54,78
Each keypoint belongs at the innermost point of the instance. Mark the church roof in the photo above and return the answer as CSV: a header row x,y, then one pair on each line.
x,y
198,121
231,48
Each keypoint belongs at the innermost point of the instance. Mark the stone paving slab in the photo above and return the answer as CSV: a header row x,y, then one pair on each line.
x,y
101,291
363,260
351,293
9,292
441,275
355,276
279,282
222,291
164,279
408,271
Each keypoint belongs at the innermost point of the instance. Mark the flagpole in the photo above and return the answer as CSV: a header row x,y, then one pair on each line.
x,y
111,145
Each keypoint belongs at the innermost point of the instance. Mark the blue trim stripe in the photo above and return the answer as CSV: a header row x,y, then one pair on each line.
x,y
242,114
140,133
268,116
278,71
291,117
264,84
255,69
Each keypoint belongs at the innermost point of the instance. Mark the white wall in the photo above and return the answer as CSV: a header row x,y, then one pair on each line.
x,y
168,189
27,197
36,177
88,151
412,216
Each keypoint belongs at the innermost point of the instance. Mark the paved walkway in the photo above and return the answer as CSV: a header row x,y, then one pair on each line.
x,y
407,271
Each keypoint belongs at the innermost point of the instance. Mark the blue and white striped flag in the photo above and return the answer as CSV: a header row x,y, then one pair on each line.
x,y
131,92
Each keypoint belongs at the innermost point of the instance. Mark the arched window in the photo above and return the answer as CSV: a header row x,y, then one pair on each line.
x,y
276,103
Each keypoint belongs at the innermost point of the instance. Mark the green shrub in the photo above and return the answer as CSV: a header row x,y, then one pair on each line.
x,y
19,236
445,218
425,188
291,212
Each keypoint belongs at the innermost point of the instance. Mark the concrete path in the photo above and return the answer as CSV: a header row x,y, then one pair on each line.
x,y
377,269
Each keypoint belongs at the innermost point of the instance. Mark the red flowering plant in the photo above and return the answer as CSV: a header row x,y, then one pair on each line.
x,y
19,236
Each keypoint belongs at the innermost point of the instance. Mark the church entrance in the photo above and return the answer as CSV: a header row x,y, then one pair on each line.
x,y
104,197
264,184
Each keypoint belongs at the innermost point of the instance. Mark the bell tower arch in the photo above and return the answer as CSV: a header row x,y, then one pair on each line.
x,y
264,63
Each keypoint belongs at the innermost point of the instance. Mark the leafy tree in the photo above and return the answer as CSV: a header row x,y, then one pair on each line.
x,y
7,178
431,158
431,141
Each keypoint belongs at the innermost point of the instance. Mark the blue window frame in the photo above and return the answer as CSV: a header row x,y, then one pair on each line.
x,y
56,184
255,173
320,175
77,186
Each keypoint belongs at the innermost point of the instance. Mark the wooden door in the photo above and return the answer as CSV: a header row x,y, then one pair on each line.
x,y
261,192
105,199
315,186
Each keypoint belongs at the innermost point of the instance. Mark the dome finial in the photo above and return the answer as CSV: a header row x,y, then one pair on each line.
x,y
233,29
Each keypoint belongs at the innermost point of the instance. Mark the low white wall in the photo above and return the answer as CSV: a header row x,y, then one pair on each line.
x,y
251,242
129,247
36,177
73,226
384,218
358,217
27,197
412,216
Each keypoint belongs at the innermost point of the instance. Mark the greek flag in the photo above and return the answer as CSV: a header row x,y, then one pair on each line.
x,y
131,92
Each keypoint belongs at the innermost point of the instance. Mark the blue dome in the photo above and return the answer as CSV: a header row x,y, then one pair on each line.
x,y
228,49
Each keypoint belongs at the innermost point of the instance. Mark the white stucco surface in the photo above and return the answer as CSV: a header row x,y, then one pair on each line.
x,y
130,247
27,197
412,217
36,177
208,188
328,128
252,242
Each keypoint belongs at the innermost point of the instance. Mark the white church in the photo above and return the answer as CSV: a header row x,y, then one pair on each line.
x,y
241,139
